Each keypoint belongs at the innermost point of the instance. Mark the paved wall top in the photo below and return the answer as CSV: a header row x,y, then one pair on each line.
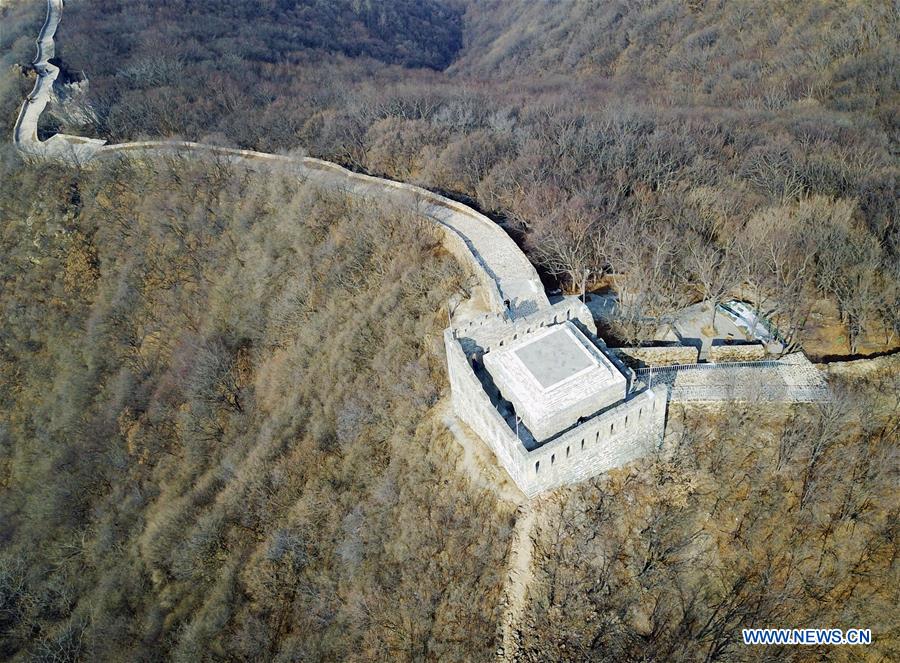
x,y
791,379
25,133
512,289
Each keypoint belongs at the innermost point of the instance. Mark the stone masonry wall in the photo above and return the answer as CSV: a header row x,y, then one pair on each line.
x,y
503,271
457,247
612,439
742,352
491,331
473,406
639,357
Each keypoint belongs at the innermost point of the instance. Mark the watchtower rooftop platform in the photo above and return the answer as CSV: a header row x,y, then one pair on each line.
x,y
553,377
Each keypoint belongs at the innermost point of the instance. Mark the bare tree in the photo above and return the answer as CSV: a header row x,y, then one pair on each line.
x,y
715,271
567,248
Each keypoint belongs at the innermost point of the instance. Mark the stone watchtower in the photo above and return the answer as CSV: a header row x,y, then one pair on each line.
x,y
543,392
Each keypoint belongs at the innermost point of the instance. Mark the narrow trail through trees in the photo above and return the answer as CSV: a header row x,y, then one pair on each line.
x,y
476,463
518,578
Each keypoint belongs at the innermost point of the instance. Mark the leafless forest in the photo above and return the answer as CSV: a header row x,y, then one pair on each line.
x,y
750,517
221,392
686,148
218,399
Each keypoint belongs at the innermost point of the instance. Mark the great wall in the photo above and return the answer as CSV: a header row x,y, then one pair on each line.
x,y
587,431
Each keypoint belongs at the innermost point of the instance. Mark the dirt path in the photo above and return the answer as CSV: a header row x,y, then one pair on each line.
x,y
519,575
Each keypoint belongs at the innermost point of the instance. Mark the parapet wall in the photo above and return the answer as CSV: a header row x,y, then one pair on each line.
x,y
612,439
473,406
456,245
492,331
618,436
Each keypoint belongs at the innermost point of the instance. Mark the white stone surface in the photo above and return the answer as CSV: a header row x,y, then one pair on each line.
x,y
792,379
553,377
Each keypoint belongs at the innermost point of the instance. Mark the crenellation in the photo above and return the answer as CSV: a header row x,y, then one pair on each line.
x,y
492,330
619,430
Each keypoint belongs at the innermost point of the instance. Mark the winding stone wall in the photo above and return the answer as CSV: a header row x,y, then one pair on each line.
x,y
503,271
511,285
500,266
71,149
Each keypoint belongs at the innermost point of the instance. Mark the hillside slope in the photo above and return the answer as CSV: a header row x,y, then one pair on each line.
x,y
414,33
222,430
746,54
218,433
707,130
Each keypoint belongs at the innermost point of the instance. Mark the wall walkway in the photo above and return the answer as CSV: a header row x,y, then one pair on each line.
x,y
25,133
791,379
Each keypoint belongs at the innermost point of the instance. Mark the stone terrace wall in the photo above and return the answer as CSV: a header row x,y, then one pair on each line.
x,y
741,352
639,357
